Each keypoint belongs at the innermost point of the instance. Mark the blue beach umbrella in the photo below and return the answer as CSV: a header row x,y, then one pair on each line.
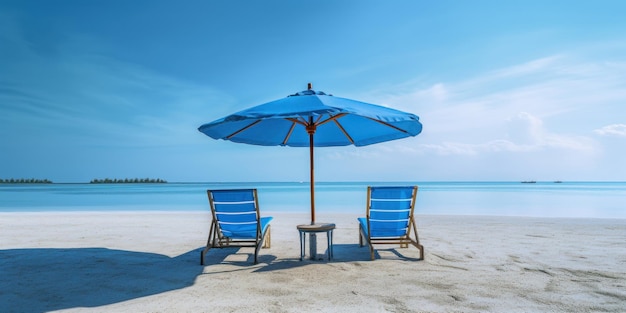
x,y
314,119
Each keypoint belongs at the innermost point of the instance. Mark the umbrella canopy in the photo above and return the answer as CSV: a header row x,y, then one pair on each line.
x,y
314,119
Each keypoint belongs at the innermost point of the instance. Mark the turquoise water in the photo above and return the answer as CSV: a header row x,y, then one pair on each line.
x,y
541,199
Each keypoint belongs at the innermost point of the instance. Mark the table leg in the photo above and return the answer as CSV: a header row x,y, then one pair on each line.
x,y
329,244
302,240
312,245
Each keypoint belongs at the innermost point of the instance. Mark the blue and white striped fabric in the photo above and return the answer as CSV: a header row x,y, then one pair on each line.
x,y
237,214
390,210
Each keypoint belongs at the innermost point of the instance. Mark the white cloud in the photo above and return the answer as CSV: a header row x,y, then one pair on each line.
x,y
532,67
436,93
525,128
548,104
450,148
618,130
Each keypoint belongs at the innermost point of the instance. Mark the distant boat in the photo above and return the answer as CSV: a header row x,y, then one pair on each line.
x,y
528,182
557,181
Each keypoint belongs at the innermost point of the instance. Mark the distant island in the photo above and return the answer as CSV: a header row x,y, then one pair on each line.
x,y
93,181
128,181
25,181
533,181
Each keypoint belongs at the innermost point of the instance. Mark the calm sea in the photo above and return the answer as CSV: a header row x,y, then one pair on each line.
x,y
541,199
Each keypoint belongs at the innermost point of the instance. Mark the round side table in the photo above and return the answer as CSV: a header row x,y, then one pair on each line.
x,y
312,230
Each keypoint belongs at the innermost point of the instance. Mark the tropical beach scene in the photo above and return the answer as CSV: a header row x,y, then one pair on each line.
x,y
330,156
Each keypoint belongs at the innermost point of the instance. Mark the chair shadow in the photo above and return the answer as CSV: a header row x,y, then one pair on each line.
x,y
396,252
48,279
354,252
243,259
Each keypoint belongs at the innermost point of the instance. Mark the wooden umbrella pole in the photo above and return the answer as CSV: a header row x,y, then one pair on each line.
x,y
311,130
312,237
312,182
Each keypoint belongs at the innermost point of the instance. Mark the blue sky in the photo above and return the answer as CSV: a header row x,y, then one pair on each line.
x,y
506,90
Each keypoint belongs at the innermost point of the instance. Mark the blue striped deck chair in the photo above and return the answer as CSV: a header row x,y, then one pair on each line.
x,y
236,221
389,218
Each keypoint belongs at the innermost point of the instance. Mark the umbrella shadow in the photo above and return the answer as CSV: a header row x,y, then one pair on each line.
x,y
342,253
236,256
350,253
242,259
268,263
48,279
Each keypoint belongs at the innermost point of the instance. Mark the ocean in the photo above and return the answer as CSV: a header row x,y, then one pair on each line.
x,y
539,199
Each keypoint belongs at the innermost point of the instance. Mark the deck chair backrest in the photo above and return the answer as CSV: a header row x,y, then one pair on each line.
x,y
236,212
390,210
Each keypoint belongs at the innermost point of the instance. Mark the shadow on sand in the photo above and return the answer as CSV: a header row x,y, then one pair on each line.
x,y
243,258
41,280
48,279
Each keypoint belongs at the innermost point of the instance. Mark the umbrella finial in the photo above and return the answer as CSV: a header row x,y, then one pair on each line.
x,y
310,86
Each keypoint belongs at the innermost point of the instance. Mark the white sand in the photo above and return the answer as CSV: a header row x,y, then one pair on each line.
x,y
149,262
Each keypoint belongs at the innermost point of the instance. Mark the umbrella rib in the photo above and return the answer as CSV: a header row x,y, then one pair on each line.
x,y
293,125
318,119
243,129
331,118
295,120
387,124
343,131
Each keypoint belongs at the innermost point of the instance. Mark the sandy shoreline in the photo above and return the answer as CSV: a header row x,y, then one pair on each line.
x,y
149,262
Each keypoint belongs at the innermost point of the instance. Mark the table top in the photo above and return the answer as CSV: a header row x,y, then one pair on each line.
x,y
317,227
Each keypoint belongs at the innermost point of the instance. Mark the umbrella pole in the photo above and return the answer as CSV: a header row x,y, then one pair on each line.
x,y
312,180
312,236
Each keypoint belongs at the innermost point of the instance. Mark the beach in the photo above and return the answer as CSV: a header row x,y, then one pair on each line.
x,y
149,262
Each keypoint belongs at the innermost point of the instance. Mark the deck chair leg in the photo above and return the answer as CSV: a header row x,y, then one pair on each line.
x,y
267,242
421,252
419,247
210,243
203,253
416,243
360,235
364,239
256,254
